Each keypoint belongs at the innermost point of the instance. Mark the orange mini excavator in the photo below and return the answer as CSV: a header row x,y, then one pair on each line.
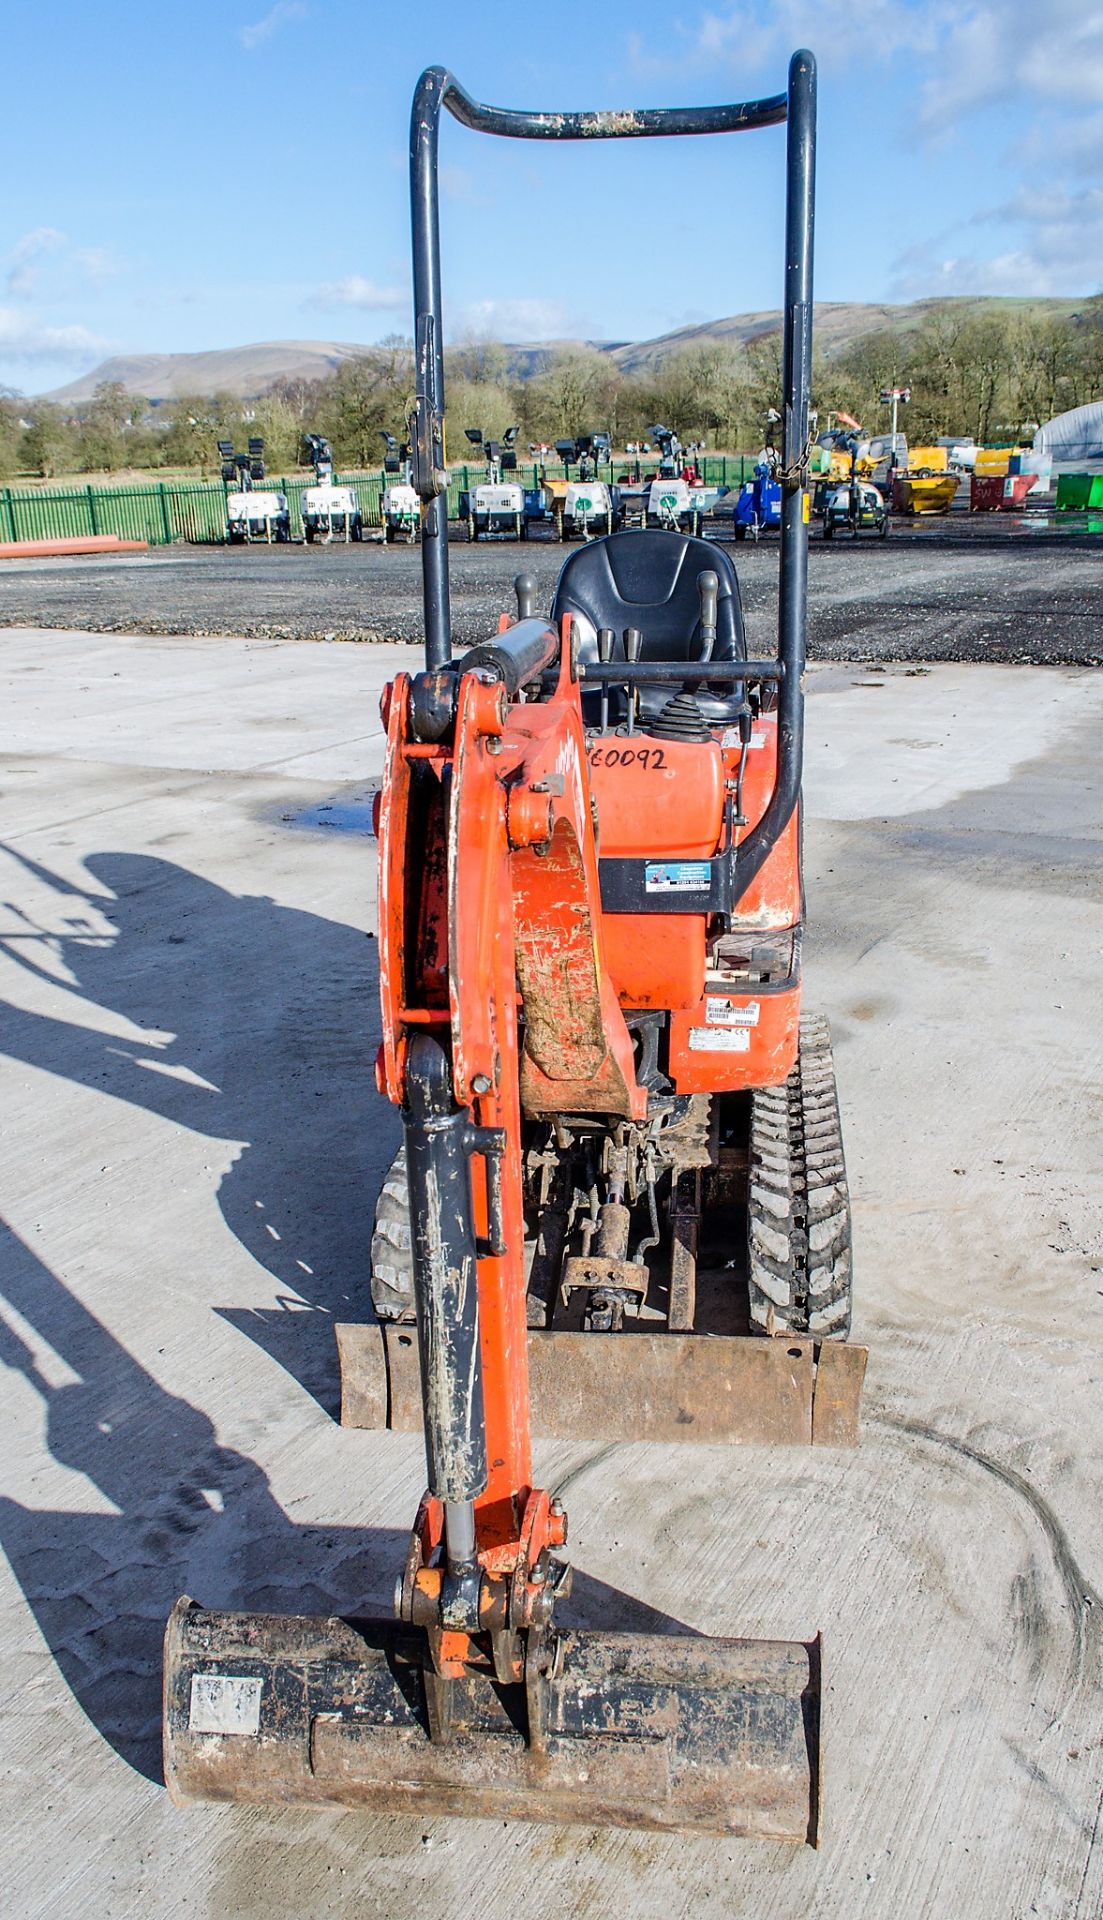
x,y
620,1209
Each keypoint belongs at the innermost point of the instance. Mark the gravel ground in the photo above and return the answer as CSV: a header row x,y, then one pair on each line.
x,y
1021,589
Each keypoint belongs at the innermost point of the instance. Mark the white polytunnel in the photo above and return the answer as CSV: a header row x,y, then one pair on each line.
x,y
1076,435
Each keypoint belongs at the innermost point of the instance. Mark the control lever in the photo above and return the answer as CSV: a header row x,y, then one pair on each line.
x,y
633,646
524,586
745,723
708,587
605,639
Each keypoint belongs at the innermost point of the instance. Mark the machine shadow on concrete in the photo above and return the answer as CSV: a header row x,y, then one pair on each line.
x,y
273,1014
191,1515
273,1018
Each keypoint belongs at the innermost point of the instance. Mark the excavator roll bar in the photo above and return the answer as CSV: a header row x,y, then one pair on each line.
x,y
438,88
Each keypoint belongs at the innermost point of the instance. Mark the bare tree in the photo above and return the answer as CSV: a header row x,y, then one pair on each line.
x,y
364,398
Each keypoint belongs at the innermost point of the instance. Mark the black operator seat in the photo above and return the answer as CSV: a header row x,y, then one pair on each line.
x,y
647,578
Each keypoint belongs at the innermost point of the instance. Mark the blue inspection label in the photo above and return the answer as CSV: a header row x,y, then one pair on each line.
x,y
676,876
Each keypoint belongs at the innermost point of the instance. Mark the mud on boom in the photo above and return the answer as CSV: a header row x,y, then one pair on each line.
x,y
590,905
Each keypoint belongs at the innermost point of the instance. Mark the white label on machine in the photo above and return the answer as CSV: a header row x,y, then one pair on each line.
x,y
720,1040
721,1013
224,1703
676,876
731,738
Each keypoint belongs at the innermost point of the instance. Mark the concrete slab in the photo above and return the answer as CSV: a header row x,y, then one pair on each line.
x,y
189,1150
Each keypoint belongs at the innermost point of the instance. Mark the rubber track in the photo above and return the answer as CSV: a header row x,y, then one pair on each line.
x,y
798,1208
392,1260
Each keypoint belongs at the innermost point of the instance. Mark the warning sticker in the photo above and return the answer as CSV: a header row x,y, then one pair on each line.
x,y
224,1703
676,876
721,1013
731,738
719,1039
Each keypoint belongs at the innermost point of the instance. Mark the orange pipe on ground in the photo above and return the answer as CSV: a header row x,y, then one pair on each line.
x,y
85,543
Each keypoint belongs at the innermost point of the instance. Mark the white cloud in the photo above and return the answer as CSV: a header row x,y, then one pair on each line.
x,y
26,339
95,263
971,55
1042,64
23,272
45,263
1056,237
514,320
355,291
1051,55
279,16
1063,232
746,35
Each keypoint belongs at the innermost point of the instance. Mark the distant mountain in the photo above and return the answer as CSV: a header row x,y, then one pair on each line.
x,y
242,371
247,371
837,324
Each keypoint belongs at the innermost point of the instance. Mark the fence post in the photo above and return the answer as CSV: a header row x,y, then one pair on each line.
x,y
166,527
10,504
94,524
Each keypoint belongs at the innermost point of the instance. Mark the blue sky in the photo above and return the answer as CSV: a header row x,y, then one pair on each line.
x,y
178,178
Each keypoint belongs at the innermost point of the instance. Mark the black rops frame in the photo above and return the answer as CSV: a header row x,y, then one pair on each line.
x,y
438,88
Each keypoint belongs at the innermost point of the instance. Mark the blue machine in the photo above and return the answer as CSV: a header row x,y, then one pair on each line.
x,y
758,506
537,510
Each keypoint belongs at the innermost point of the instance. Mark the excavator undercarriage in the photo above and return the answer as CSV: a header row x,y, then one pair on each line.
x,y
729,1216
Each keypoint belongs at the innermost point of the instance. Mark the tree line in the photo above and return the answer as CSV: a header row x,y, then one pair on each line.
x,y
992,374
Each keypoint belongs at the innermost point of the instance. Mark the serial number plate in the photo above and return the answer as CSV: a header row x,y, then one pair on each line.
x,y
719,1039
224,1703
721,1013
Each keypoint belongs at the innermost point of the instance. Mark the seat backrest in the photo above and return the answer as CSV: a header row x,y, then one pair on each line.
x,y
648,579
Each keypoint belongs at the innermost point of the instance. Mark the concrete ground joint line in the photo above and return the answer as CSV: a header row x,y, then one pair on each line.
x,y
98,813
328,746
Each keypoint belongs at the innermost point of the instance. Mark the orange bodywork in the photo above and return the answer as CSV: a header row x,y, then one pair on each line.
x,y
665,800
492,934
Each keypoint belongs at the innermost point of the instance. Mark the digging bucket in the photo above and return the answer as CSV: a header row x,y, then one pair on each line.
x,y
678,1732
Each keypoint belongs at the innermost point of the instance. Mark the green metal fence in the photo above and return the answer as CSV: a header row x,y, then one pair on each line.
x,y
162,511
159,512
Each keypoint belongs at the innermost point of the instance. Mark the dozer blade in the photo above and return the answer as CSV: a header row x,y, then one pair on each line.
x,y
665,1733
634,1386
